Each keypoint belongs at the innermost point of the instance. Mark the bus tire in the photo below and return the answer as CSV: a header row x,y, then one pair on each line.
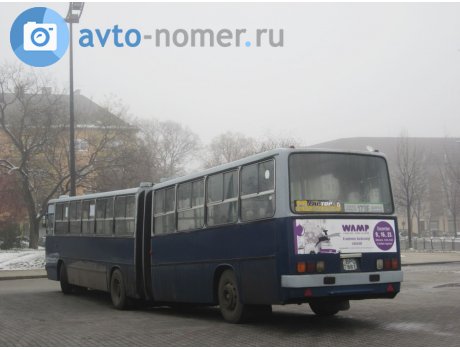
x,y
66,287
118,290
231,307
79,289
261,312
325,307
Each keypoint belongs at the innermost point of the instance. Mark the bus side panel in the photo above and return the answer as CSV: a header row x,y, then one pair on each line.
x,y
51,258
87,273
163,283
258,281
90,260
184,264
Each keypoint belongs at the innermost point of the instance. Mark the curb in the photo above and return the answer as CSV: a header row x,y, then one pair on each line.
x,y
44,275
430,263
8,278
22,274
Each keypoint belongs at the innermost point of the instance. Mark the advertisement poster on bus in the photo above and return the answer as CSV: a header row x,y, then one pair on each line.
x,y
335,236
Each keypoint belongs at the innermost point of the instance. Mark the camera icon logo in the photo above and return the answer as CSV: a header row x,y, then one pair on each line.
x,y
40,36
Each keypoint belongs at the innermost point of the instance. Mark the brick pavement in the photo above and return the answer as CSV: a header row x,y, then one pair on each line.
x,y
35,313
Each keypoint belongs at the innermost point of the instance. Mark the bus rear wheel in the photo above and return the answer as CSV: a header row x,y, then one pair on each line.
x,y
259,312
328,307
118,290
231,307
66,287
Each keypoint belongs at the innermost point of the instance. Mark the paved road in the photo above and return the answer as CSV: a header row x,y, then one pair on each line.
x,y
426,313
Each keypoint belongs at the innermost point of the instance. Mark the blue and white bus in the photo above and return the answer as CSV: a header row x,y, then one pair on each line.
x,y
281,227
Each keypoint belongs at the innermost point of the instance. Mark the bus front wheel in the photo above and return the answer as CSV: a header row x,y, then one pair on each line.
x,y
66,287
231,307
118,291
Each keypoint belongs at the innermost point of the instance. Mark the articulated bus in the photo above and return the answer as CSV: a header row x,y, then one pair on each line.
x,y
282,227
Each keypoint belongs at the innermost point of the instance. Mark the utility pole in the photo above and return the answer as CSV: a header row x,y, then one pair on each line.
x,y
73,16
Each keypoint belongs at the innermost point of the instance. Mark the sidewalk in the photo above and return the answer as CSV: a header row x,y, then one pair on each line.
x,y
407,258
425,258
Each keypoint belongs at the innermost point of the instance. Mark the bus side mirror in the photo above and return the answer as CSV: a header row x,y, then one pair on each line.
x,y
44,219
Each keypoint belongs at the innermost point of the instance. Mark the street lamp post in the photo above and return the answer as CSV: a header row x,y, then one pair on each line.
x,y
73,16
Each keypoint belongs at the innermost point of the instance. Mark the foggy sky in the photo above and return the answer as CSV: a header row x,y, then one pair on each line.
x,y
345,70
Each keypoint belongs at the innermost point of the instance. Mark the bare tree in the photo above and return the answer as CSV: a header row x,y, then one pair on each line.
x,y
125,165
229,147
420,202
11,205
409,178
124,162
232,146
169,147
27,119
270,142
34,125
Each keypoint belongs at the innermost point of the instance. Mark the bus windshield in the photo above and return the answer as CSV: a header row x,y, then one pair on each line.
x,y
337,182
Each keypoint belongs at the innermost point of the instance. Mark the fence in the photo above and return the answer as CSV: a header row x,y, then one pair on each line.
x,y
434,244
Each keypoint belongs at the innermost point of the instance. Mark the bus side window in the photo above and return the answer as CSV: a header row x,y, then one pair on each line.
x,y
164,210
249,178
222,198
184,203
190,208
197,193
159,202
130,213
120,215
58,218
170,199
62,218
88,217
124,215
230,204
231,185
198,203
75,217
78,216
108,222
65,218
258,191
100,215
215,188
50,219
184,196
266,176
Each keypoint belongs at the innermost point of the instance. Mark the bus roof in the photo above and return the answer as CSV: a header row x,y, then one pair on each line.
x,y
217,169
255,158
97,195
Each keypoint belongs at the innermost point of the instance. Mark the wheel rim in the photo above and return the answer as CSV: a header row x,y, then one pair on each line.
x,y
116,290
229,296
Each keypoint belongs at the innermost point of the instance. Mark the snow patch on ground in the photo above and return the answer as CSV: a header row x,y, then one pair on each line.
x,y
22,259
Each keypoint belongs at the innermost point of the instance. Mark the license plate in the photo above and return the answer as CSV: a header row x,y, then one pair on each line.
x,y
350,264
